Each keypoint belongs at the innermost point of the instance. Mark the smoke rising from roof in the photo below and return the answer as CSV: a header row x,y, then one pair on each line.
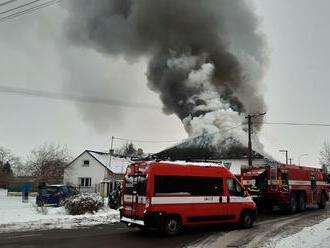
x,y
206,58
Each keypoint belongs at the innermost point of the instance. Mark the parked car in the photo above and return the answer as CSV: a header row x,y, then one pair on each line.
x,y
54,194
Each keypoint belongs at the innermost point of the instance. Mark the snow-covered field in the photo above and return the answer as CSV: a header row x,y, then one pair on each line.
x,y
18,216
317,236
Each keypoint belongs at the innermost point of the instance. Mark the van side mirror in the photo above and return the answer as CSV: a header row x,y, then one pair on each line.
x,y
327,178
246,193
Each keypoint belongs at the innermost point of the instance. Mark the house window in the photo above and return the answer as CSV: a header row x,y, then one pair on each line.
x,y
85,181
227,165
86,163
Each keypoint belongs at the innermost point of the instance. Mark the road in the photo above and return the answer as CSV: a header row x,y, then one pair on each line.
x,y
118,235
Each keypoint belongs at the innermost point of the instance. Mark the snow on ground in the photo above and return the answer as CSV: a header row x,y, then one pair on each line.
x,y
317,236
18,216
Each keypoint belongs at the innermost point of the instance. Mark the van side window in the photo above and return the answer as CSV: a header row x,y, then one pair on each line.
x,y
234,188
182,185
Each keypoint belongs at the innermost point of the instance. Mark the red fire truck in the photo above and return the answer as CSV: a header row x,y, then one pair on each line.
x,y
286,186
169,195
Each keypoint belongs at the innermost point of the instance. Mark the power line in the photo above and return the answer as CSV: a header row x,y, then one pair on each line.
x,y
77,98
182,141
8,2
19,7
32,9
116,102
297,124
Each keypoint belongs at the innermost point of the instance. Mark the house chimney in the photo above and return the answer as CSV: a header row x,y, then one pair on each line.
x,y
139,152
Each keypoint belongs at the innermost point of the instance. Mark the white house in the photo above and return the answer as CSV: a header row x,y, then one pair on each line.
x,y
94,171
235,164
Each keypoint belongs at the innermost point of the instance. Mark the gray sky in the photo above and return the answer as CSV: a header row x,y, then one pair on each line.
x,y
35,54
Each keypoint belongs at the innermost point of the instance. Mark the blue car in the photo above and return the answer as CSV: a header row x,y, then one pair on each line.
x,y
54,194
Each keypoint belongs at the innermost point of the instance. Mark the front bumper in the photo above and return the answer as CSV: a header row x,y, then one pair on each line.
x,y
132,221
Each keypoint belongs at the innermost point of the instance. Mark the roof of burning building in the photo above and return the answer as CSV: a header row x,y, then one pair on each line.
x,y
226,149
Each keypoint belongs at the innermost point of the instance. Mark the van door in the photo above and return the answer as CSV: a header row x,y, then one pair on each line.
x,y
235,198
285,181
139,195
135,195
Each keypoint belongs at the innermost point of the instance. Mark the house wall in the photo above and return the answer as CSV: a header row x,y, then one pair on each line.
x,y
76,170
237,164
116,177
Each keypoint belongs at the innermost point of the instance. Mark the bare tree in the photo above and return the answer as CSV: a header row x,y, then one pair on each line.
x,y
47,163
6,174
15,162
127,149
9,163
325,156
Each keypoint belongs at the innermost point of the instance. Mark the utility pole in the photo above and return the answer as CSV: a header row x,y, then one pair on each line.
x,y
111,151
286,155
290,159
111,147
249,117
249,143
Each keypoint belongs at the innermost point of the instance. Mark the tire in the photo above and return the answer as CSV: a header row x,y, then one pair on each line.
x,y
293,204
301,206
172,226
323,202
247,219
40,203
60,202
269,208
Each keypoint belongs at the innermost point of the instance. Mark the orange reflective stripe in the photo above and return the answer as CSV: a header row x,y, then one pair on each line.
x,y
280,182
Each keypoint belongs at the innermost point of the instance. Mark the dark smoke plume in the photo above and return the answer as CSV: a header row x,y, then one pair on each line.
x,y
206,58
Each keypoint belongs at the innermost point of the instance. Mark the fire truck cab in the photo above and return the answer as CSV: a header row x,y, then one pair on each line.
x,y
168,195
287,186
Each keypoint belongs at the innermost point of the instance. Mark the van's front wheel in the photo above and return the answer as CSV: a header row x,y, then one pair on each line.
x,y
247,219
172,226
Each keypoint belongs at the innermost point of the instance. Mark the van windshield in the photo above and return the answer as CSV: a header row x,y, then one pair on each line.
x,y
135,185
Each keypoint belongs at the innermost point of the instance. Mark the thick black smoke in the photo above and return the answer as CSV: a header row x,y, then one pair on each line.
x,y
206,58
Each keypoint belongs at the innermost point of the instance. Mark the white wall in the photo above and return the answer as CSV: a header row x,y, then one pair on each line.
x,y
237,164
76,170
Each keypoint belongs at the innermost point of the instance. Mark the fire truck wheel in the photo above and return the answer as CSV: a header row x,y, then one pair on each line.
x,y
323,202
293,203
269,208
301,203
247,219
172,225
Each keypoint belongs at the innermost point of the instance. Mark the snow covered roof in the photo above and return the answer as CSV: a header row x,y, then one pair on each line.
x,y
117,164
180,162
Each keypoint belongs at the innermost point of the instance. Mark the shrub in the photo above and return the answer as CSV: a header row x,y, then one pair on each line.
x,y
83,203
114,198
